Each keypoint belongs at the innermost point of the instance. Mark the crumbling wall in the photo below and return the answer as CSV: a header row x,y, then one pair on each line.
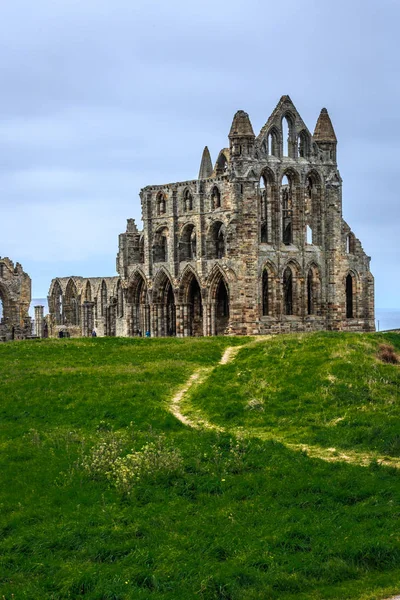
x,y
15,297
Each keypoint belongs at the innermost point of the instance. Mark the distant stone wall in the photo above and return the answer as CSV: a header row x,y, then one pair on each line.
x,y
15,296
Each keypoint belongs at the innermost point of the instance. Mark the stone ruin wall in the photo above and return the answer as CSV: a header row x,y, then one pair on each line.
x,y
256,244
15,296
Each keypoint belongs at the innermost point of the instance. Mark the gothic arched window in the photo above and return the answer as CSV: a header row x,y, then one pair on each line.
x,y
161,204
288,291
187,201
265,293
215,198
287,210
349,297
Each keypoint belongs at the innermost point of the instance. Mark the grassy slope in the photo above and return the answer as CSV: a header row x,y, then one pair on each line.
x,y
273,523
324,389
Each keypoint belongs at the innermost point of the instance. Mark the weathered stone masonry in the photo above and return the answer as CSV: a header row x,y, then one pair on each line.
x,y
15,298
257,244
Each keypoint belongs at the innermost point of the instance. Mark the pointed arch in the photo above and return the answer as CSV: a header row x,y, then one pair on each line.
x,y
266,205
313,291
71,304
103,298
164,317
191,304
88,291
351,295
268,290
313,207
350,243
187,200
56,302
291,289
266,284
161,203
219,302
273,142
138,306
288,135
215,198
221,166
288,291
288,204
216,240
160,245
187,243
303,144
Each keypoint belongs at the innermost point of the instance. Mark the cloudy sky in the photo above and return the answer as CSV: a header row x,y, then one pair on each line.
x,y
100,98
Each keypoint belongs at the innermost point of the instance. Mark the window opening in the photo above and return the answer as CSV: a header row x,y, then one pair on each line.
x,y
288,291
285,136
263,211
349,296
161,204
215,198
287,210
265,301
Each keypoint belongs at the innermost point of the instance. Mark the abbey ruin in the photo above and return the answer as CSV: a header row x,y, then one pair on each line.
x,y
15,298
256,245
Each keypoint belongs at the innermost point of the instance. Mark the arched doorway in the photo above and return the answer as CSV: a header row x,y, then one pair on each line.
x,y
221,307
195,308
163,309
138,307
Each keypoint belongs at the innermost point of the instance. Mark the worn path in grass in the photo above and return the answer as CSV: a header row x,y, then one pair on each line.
x,y
196,420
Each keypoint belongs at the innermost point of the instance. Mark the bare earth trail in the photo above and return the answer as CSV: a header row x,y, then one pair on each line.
x,y
197,421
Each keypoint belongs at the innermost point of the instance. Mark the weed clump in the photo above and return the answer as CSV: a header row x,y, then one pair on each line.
x,y
388,354
155,460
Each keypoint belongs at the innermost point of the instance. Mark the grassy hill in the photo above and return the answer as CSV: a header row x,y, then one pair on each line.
x,y
286,486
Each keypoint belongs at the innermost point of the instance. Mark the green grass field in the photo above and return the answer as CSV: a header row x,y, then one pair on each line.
x,y
243,513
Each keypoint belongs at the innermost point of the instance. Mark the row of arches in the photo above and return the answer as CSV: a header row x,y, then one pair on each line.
x,y
295,294
291,294
187,245
285,141
290,213
187,202
164,311
66,304
161,311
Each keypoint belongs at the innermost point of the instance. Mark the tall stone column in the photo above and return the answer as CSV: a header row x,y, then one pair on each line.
x,y
185,321
87,318
154,323
39,322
